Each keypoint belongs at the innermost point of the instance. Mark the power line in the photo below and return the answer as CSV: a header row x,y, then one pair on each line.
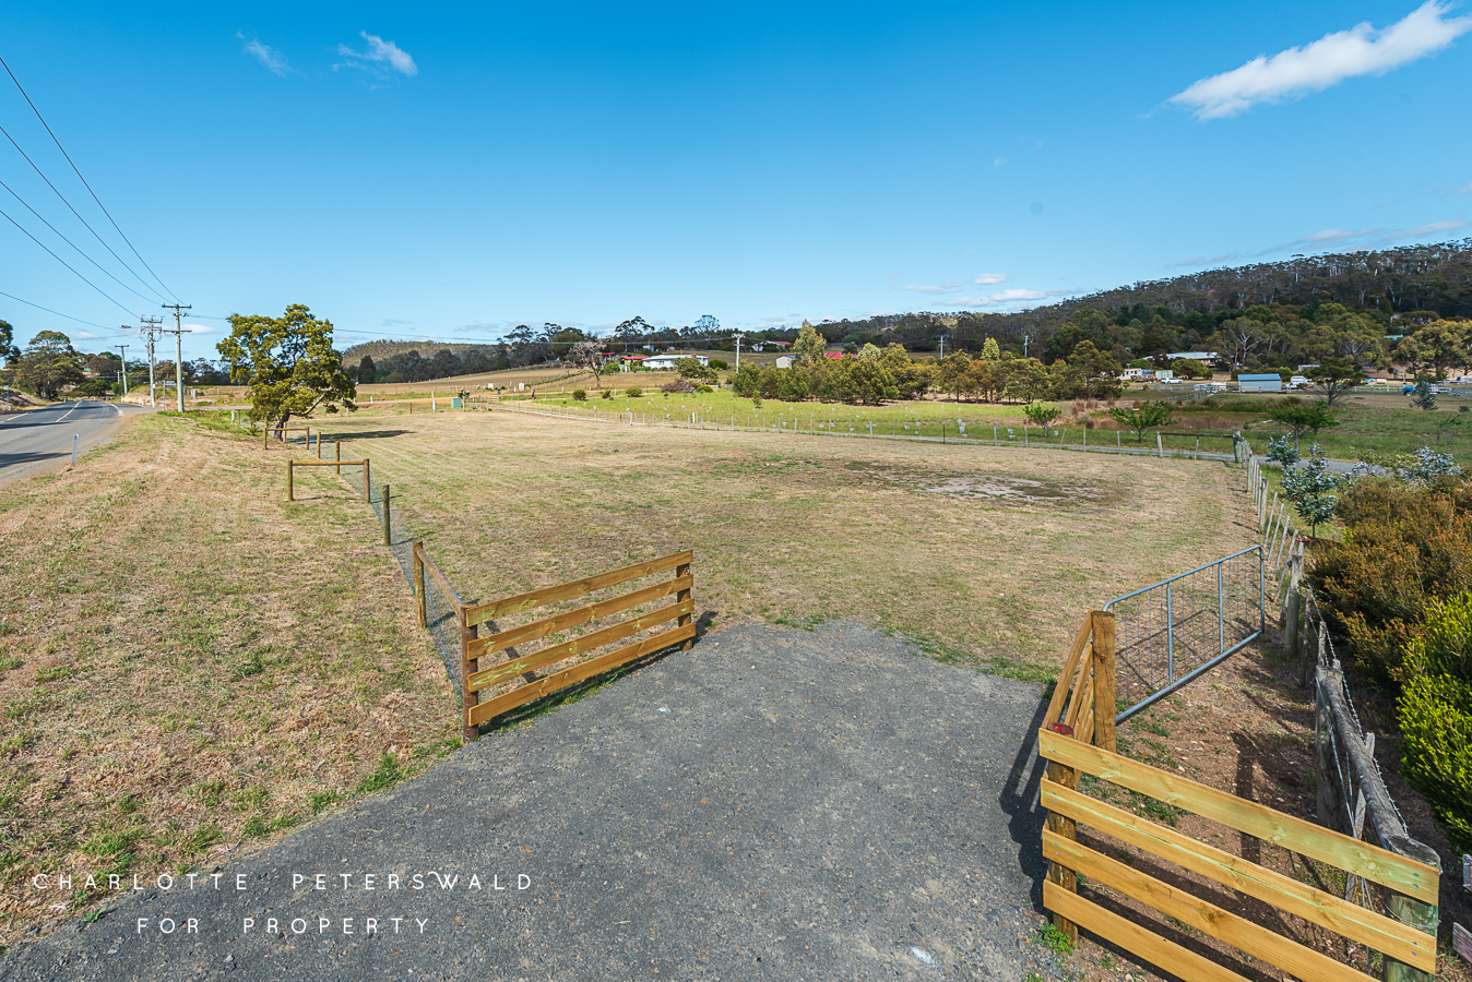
x,y
607,342
26,95
42,218
57,313
109,296
42,174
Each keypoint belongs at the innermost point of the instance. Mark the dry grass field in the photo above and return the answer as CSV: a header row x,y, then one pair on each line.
x,y
983,554
189,664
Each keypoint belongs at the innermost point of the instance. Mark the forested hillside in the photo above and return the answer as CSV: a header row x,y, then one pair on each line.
x,y
1415,284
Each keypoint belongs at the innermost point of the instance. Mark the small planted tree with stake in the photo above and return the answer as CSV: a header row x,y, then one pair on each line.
x,y
1311,489
1142,417
1283,451
1041,413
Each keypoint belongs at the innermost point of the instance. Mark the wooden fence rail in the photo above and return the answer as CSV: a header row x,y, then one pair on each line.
x,y
1074,741
293,464
514,681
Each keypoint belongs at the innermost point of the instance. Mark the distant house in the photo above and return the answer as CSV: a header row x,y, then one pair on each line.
x,y
834,355
1265,382
783,361
668,361
1205,357
774,345
1138,374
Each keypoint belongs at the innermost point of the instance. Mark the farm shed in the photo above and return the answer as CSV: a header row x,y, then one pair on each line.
x,y
1266,382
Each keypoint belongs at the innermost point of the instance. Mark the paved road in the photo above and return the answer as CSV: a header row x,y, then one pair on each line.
x,y
41,439
775,804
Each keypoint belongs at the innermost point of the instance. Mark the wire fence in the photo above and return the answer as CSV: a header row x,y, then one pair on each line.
x,y
890,426
1170,632
1352,794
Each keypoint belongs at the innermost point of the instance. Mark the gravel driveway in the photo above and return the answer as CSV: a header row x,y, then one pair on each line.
x,y
775,804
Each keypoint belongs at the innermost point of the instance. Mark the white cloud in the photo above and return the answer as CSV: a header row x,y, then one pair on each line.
x,y
1465,188
1328,235
1002,298
1431,228
199,329
270,59
1361,50
985,279
380,58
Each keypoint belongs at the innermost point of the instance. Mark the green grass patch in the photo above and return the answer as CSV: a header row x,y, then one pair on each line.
x,y
1053,939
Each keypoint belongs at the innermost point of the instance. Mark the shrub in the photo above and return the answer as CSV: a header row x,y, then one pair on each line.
x,y
678,385
633,392
580,395
747,382
719,364
1435,716
1444,646
690,368
1405,545
606,394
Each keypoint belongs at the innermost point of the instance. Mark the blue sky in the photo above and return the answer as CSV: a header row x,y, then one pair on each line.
x,y
422,173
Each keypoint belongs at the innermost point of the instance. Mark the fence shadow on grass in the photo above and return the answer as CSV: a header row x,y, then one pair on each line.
x,y
352,435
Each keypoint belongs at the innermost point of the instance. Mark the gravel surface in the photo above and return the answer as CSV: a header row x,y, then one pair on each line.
x,y
774,804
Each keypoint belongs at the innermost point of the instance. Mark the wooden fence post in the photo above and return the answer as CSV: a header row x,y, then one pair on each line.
x,y
423,605
1421,916
319,444
1068,829
1292,602
338,445
1103,668
680,597
468,666
290,480
388,535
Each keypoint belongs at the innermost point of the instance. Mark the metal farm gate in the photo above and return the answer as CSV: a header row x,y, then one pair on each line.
x,y
1170,632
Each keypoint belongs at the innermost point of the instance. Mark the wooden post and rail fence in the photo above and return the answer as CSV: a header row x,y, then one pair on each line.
x,y
337,464
292,464
517,678
1077,738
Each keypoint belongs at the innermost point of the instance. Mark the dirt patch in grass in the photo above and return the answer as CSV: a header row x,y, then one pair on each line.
x,y
1014,489
791,527
189,664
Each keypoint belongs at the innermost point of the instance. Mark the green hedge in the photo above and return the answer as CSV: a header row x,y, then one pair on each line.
x,y
1436,722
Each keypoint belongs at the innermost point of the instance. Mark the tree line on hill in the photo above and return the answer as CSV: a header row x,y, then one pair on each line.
x,y
1263,316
